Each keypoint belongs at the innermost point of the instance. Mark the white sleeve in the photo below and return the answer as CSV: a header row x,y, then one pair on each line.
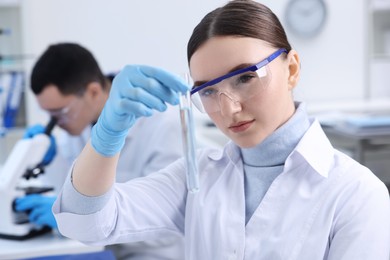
x,y
141,209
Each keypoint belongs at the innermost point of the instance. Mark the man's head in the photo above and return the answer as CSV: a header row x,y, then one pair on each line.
x,y
69,85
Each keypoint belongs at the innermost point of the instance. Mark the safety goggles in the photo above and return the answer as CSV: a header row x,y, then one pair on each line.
x,y
64,114
238,85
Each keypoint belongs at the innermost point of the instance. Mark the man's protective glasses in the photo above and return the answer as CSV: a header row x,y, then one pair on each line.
x,y
238,85
64,113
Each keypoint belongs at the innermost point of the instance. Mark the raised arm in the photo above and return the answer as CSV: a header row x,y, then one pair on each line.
x,y
136,91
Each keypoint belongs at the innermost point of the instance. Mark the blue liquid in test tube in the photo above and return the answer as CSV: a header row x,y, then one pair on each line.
x,y
188,137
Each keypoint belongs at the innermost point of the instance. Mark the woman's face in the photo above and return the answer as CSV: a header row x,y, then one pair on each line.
x,y
250,121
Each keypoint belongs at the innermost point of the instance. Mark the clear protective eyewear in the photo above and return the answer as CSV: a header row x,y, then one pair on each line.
x,y
63,114
238,85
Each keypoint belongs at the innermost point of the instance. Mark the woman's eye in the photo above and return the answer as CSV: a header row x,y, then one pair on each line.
x,y
245,78
207,92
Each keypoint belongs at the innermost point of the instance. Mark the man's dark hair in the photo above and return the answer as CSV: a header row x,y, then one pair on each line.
x,y
68,66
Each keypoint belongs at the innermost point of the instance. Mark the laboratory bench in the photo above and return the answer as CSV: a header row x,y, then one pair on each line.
x,y
370,148
50,244
359,143
361,130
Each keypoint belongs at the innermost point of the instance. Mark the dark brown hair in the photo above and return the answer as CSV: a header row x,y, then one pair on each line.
x,y
68,66
242,18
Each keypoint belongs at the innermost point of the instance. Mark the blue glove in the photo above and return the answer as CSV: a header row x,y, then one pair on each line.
x,y
135,92
40,209
39,129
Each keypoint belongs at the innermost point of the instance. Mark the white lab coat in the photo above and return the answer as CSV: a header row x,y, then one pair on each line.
x,y
324,205
152,143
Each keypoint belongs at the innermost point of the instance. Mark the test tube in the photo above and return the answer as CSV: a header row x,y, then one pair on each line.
x,y
188,137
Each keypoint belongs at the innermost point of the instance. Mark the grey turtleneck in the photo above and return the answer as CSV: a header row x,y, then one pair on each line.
x,y
264,162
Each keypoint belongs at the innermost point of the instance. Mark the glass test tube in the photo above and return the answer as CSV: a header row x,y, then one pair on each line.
x,y
188,137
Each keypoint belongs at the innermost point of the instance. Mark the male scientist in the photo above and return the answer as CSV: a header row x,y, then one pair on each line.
x,y
70,86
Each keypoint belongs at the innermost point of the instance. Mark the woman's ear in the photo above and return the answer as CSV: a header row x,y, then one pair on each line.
x,y
294,69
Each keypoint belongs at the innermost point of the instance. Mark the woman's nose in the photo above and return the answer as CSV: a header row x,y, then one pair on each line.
x,y
228,105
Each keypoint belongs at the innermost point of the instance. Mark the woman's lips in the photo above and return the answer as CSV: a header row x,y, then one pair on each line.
x,y
240,126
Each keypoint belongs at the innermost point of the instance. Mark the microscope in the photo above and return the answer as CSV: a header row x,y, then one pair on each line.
x,y
22,166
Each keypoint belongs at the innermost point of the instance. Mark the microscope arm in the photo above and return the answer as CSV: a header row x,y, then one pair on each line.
x,y
25,155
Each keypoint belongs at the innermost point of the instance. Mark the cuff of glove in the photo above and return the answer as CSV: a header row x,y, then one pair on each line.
x,y
107,142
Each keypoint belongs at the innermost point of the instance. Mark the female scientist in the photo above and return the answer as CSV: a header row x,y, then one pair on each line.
x,y
278,190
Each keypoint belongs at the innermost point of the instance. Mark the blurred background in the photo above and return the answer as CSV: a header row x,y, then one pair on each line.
x,y
344,47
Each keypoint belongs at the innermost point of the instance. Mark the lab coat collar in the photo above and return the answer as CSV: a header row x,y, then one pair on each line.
x,y
314,148
231,150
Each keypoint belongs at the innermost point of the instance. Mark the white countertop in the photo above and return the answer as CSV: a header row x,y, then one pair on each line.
x,y
45,245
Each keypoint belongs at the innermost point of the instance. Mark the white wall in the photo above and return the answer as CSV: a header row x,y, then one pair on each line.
x,y
333,63
119,32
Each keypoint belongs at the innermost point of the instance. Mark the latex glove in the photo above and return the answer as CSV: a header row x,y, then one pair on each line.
x,y
39,207
39,129
135,92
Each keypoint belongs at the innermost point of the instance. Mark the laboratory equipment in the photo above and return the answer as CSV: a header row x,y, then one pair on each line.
x,y
188,138
23,165
5,31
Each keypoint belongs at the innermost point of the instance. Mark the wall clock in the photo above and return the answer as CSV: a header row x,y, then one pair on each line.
x,y
306,18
